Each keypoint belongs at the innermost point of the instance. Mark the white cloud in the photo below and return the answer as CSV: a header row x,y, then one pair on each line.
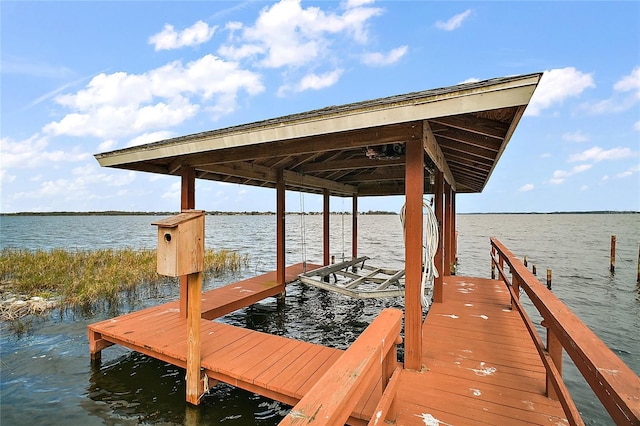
x,y
629,172
288,35
34,68
470,80
357,3
636,126
85,183
576,136
630,82
559,176
557,85
380,59
173,193
6,177
107,145
33,153
619,101
454,22
150,137
121,104
169,38
526,188
316,82
598,154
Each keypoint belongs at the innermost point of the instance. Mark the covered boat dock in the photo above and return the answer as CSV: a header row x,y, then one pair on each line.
x,y
474,357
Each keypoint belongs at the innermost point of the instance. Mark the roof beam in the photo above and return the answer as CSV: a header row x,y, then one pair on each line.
x,y
469,138
435,153
396,173
451,147
353,164
266,174
474,124
307,181
309,145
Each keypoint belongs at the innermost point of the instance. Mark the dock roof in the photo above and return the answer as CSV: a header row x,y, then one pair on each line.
x,y
354,149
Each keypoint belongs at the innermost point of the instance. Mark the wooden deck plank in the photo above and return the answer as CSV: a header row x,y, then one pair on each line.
x,y
481,365
223,300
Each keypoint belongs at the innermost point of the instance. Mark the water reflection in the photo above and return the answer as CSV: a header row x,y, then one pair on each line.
x,y
137,389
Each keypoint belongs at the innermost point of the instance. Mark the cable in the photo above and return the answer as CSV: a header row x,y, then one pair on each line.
x,y
302,233
430,246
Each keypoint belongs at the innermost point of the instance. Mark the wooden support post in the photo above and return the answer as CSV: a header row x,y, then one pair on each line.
x,y
612,263
280,231
96,345
194,376
526,261
448,259
414,189
454,245
638,264
554,348
187,202
325,226
549,279
439,258
354,228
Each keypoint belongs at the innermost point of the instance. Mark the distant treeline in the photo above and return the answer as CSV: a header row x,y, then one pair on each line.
x,y
586,212
257,213
211,213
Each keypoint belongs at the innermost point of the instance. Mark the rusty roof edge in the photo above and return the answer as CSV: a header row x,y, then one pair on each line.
x,y
380,104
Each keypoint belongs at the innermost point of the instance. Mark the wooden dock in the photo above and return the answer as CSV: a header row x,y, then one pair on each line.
x,y
276,367
479,361
480,364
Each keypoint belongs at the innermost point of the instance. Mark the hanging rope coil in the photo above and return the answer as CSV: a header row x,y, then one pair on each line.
x,y
430,246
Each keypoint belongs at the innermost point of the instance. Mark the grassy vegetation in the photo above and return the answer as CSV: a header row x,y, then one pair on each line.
x,y
80,278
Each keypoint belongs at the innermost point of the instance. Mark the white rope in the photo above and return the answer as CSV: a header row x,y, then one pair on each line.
x,y
430,246
343,229
303,238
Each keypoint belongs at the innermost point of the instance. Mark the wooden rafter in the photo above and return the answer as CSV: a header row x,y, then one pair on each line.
x,y
433,150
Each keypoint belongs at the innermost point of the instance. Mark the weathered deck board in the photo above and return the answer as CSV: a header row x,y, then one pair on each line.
x,y
224,300
277,367
481,365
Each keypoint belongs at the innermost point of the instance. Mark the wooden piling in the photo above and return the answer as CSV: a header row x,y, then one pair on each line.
x,y
534,270
549,279
638,280
612,263
194,375
526,261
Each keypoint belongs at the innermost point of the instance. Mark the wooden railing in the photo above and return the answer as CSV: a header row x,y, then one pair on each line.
x,y
614,383
371,358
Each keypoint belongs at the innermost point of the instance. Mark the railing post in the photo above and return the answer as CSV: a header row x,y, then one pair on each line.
x,y
493,264
515,285
390,362
554,348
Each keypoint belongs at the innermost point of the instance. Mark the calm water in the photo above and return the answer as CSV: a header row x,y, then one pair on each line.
x,y
47,374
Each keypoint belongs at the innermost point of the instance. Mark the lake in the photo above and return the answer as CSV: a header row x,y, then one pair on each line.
x,y
46,373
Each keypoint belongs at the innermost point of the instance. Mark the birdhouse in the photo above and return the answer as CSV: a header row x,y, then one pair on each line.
x,y
181,244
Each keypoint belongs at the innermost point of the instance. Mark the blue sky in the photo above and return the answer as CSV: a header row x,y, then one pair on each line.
x,y
78,78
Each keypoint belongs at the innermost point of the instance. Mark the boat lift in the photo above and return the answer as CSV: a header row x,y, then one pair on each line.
x,y
361,282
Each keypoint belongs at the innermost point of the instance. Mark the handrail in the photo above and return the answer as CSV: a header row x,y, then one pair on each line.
x,y
614,383
370,358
